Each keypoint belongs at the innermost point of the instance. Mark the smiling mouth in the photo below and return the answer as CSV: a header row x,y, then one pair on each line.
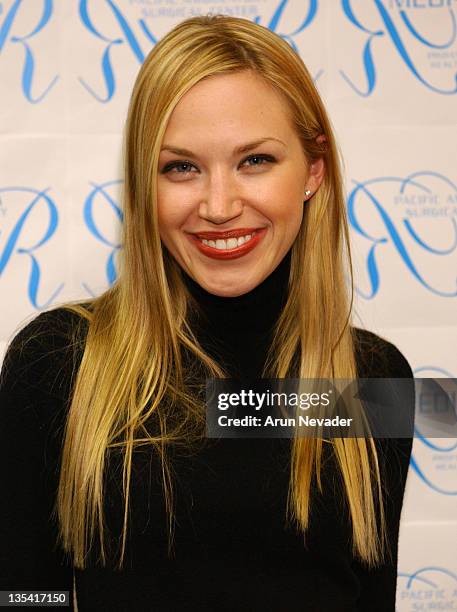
x,y
230,243
230,239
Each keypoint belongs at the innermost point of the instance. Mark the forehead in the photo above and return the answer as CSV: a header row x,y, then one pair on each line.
x,y
241,101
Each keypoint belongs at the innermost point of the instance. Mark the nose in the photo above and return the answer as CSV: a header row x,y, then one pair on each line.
x,y
221,201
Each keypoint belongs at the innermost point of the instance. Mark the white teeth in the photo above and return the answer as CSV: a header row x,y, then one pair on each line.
x,y
231,243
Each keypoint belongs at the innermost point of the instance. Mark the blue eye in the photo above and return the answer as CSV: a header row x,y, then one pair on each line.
x,y
173,165
263,158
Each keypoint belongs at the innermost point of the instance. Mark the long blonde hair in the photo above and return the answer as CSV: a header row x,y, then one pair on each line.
x,y
133,365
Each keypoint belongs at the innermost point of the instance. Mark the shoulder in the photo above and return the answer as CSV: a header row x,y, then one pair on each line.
x,y
44,346
377,357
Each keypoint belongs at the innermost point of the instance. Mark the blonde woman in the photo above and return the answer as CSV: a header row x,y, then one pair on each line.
x,y
235,246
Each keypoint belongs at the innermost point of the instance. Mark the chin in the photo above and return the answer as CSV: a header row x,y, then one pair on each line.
x,y
229,291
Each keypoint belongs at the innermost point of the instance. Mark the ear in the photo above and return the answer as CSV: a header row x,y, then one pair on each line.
x,y
316,173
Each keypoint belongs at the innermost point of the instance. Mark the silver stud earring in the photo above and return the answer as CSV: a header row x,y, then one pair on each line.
x,y
307,193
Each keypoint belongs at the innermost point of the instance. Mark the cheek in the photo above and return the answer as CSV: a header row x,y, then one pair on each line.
x,y
290,216
167,222
285,202
289,187
292,191
293,222
170,212
175,201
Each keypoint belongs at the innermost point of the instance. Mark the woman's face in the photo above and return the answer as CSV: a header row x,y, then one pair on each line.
x,y
209,189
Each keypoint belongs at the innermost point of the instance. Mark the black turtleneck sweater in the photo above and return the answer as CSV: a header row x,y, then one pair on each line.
x,y
233,549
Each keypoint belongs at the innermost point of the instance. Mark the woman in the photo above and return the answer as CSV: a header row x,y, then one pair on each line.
x,y
235,240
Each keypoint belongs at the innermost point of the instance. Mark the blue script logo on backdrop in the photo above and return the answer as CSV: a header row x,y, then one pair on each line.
x,y
11,32
422,54
425,200
127,37
101,194
133,35
18,241
431,588
110,22
438,474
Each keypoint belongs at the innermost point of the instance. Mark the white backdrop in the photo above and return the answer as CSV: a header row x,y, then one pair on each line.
x,y
387,72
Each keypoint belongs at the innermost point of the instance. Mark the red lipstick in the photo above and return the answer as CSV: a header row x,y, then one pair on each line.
x,y
238,251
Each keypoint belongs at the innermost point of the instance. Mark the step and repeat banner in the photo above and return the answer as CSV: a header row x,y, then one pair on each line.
x,y
387,71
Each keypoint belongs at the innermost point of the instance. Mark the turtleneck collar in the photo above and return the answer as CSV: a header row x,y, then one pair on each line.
x,y
237,331
256,310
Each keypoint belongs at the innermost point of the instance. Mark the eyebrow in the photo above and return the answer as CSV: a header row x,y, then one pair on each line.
x,y
242,149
